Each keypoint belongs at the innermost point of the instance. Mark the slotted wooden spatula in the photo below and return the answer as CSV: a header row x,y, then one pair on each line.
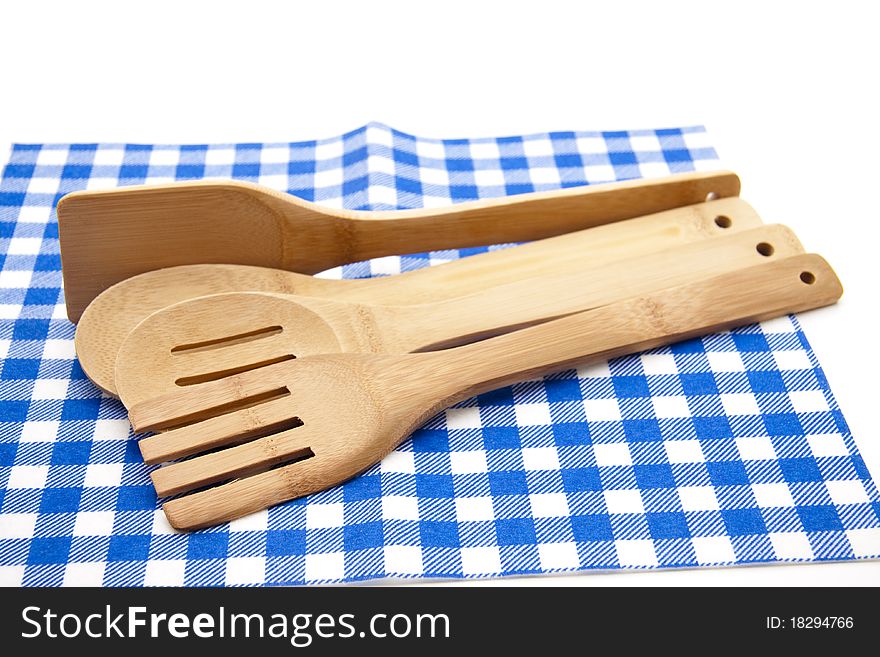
x,y
116,311
222,335
299,427
107,236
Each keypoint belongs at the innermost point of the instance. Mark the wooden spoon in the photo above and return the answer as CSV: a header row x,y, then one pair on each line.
x,y
221,335
303,426
116,311
110,235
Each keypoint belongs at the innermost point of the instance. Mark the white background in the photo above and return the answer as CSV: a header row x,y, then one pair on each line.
x,y
788,91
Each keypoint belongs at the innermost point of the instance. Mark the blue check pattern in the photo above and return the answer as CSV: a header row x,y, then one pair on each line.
x,y
729,449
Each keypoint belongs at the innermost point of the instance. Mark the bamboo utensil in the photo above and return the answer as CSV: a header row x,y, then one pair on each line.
x,y
299,427
222,335
108,236
116,311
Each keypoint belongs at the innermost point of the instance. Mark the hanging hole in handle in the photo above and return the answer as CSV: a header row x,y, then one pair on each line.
x,y
712,196
765,249
808,277
723,222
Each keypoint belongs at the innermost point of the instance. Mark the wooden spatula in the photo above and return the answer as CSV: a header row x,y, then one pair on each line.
x,y
299,427
217,336
108,236
116,311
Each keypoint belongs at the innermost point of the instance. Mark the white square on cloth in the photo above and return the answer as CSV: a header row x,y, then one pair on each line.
x,y
684,451
773,495
245,570
864,542
94,523
741,403
533,415
725,361
480,560
808,401
671,406
469,462
27,476
847,491
713,549
103,474
600,410
13,278
612,454
463,418
538,147
756,448
489,177
540,458
325,566
17,525
636,552
827,444
40,431
398,461
558,555
624,501
84,574
403,560
698,498
549,505
659,364
791,545
165,572
109,156
320,516
164,156
544,175
24,245
52,156
400,507
474,509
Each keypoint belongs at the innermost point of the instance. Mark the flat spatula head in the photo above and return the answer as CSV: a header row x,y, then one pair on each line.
x,y
110,235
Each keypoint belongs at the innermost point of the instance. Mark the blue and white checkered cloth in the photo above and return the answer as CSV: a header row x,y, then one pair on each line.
x,y
725,450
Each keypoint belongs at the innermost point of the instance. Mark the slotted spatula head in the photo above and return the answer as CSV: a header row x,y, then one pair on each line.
x,y
217,336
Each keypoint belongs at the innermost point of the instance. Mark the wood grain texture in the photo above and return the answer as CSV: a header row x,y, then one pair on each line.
x,y
221,335
112,315
110,235
355,408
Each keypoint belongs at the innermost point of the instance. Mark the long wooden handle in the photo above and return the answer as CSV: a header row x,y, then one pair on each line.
x,y
534,216
791,285
516,305
571,252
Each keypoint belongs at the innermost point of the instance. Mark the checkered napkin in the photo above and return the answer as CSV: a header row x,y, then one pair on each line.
x,y
730,449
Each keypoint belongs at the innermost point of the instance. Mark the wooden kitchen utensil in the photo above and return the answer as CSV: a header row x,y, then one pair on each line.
x,y
303,426
110,235
217,336
116,311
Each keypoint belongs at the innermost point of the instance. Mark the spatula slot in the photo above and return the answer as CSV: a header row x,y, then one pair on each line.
x,y
228,341
222,374
196,481
216,411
